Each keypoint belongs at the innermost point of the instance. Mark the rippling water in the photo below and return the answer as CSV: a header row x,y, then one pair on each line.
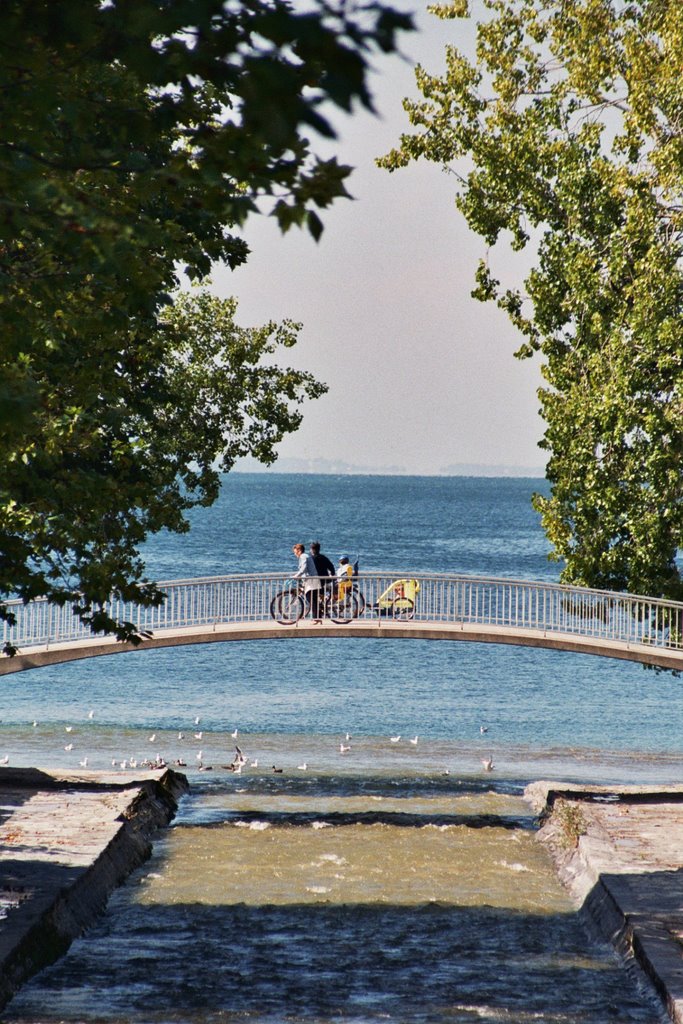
x,y
328,897
393,881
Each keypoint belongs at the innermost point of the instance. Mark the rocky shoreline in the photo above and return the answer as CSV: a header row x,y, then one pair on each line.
x,y
67,840
619,852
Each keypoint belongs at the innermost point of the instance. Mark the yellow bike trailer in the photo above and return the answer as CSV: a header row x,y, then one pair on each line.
x,y
398,600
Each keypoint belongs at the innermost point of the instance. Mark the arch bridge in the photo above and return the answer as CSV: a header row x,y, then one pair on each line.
x,y
389,606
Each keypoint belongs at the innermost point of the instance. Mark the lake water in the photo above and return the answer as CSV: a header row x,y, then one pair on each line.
x,y
395,880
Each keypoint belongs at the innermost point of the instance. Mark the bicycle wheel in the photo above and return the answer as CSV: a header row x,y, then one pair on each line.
x,y
287,607
403,608
344,610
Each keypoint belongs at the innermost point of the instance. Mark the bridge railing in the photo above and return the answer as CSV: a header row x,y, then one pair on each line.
x,y
456,599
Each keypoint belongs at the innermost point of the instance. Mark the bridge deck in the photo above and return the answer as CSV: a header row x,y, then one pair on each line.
x,y
55,653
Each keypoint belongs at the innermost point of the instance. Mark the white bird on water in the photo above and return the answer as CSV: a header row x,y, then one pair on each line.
x,y
302,767
91,714
414,741
394,739
5,759
198,735
152,737
69,746
483,729
181,735
197,720
84,762
199,755
68,728
234,734
488,763
343,747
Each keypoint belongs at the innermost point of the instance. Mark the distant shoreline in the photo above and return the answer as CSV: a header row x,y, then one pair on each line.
x,y
323,468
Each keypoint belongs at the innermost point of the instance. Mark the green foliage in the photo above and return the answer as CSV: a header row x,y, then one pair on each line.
x,y
564,136
570,821
127,440
137,138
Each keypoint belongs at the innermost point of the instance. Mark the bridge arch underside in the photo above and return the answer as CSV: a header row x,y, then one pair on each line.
x,y
37,657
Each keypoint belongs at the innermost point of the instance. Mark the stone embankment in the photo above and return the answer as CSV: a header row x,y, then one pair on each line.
x,y
66,841
619,851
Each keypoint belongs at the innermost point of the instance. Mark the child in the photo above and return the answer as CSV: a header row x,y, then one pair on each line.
x,y
344,574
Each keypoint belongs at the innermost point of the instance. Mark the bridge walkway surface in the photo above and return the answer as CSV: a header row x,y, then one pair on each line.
x,y
75,650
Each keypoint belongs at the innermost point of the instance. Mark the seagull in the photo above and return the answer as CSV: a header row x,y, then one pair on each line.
x,y
198,735
414,741
348,736
254,763
483,729
394,739
234,734
343,748
197,720
68,728
199,756
91,714
152,737
302,767
114,763
69,746
239,757
84,762
488,763
35,724
124,764
5,759
181,735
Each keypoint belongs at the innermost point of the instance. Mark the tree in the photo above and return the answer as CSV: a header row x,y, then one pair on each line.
x,y
565,136
137,138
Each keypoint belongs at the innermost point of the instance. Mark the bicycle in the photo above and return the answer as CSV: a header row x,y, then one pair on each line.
x,y
289,605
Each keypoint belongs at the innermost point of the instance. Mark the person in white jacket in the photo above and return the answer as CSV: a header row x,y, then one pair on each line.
x,y
306,571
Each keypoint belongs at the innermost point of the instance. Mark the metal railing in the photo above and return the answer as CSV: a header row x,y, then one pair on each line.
x,y
548,608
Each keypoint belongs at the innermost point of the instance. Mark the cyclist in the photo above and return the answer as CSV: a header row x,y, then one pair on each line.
x,y
323,566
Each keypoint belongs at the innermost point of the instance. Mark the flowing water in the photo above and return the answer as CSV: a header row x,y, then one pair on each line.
x,y
395,880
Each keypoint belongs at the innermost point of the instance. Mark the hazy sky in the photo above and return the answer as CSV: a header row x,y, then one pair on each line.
x,y
421,376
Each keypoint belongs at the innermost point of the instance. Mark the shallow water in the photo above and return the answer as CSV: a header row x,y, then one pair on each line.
x,y
327,898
